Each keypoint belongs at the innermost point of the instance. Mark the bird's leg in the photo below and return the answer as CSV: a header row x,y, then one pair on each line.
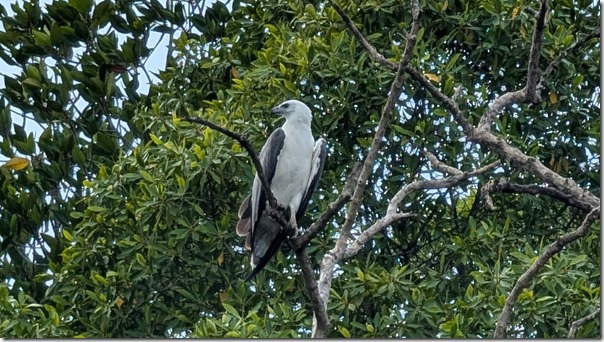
x,y
292,220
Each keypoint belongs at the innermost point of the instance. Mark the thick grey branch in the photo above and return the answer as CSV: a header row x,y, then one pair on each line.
x,y
533,270
515,157
395,91
578,323
504,185
331,258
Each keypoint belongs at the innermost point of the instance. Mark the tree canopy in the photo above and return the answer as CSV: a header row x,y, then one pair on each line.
x,y
460,197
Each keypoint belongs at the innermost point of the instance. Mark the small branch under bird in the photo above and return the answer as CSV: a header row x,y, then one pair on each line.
x,y
293,162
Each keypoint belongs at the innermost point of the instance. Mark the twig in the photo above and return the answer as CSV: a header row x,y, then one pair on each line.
x,y
576,324
533,270
392,215
447,102
537,41
440,166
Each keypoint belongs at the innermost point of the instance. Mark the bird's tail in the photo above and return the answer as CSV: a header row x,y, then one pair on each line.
x,y
272,249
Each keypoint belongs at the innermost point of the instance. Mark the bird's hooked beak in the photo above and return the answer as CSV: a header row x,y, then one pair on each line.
x,y
277,110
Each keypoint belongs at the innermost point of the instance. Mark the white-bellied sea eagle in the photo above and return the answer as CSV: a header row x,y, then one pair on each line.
x,y
293,163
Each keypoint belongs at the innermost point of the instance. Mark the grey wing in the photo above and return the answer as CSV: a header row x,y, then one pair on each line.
x,y
319,155
253,205
269,157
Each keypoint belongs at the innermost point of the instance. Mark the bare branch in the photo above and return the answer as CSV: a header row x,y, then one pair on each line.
x,y
395,90
533,270
578,323
440,166
392,215
437,184
531,77
320,321
529,92
504,185
373,53
515,157
331,258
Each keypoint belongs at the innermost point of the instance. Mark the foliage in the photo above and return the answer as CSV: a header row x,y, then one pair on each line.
x,y
122,222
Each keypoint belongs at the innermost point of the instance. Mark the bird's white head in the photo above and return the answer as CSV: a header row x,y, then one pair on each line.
x,y
294,110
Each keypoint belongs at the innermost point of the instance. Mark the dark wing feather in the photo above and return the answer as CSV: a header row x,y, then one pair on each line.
x,y
264,236
317,163
269,157
269,237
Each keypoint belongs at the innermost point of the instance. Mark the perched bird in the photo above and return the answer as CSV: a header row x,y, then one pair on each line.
x,y
293,163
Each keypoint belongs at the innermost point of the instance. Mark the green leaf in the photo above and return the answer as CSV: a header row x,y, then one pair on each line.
x,y
95,209
230,309
146,176
83,6
66,234
344,331
141,259
41,38
100,279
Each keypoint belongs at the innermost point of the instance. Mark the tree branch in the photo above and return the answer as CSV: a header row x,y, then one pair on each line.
x,y
529,92
537,41
332,257
533,270
578,323
504,185
440,166
447,102
395,90
515,157
245,143
332,209
392,215
373,53
320,320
